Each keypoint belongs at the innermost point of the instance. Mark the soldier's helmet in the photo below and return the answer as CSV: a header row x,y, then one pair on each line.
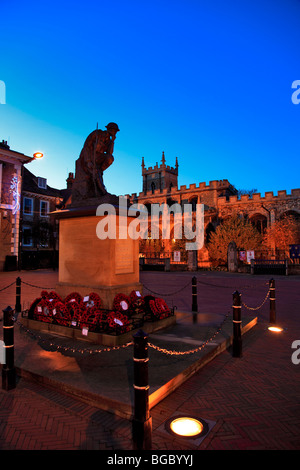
x,y
112,125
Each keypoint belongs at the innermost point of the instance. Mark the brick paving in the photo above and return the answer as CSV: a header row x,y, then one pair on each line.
x,y
253,401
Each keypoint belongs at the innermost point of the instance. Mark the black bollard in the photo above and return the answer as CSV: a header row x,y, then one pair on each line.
x,y
142,421
18,295
8,369
194,295
237,315
272,301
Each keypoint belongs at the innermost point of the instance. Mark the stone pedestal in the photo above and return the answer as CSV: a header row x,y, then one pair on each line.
x,y
232,261
192,260
88,264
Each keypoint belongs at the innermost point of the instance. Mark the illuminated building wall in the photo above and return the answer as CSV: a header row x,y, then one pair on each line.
x,y
11,163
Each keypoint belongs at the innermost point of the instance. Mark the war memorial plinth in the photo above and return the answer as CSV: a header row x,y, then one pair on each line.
x,y
87,263
98,297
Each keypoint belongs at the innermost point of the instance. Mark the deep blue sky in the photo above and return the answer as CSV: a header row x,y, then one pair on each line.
x,y
206,81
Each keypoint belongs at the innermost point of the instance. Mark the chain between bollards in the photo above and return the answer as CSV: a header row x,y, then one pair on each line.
x,y
194,299
237,322
8,369
272,301
18,307
142,421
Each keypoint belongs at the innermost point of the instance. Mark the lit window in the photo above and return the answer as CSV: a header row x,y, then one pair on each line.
x,y
44,208
28,206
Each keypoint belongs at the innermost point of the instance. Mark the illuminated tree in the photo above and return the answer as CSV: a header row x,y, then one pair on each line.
x,y
282,233
235,229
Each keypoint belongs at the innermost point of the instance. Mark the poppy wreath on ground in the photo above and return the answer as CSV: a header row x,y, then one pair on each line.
x,y
50,295
76,310
159,308
121,304
43,311
136,301
53,295
74,296
74,304
89,318
147,307
61,314
32,307
102,320
118,322
92,300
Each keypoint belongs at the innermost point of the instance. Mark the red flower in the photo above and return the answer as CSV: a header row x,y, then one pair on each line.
x,y
92,300
43,311
87,312
118,322
159,308
53,295
75,310
89,318
136,301
61,314
73,297
121,303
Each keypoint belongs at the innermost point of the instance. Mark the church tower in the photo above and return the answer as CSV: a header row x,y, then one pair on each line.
x,y
159,177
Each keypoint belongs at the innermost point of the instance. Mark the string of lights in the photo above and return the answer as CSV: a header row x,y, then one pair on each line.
x,y
73,349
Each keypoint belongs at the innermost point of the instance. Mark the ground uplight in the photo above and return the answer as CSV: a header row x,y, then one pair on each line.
x,y
275,329
185,426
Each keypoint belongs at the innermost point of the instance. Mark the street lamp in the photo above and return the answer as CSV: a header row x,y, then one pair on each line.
x,y
37,155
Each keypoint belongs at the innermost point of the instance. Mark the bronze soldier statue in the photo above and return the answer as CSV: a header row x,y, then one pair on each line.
x,y
95,157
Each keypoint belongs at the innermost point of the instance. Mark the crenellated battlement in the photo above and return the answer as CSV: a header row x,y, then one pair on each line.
x,y
153,169
257,197
160,184
215,184
203,186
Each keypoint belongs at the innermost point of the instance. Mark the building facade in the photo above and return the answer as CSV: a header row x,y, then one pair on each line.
x,y
221,200
39,227
28,230
11,169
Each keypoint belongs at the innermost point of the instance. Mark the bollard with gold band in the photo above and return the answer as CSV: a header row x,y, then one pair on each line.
x,y
237,322
194,295
8,369
272,301
194,299
142,421
18,295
